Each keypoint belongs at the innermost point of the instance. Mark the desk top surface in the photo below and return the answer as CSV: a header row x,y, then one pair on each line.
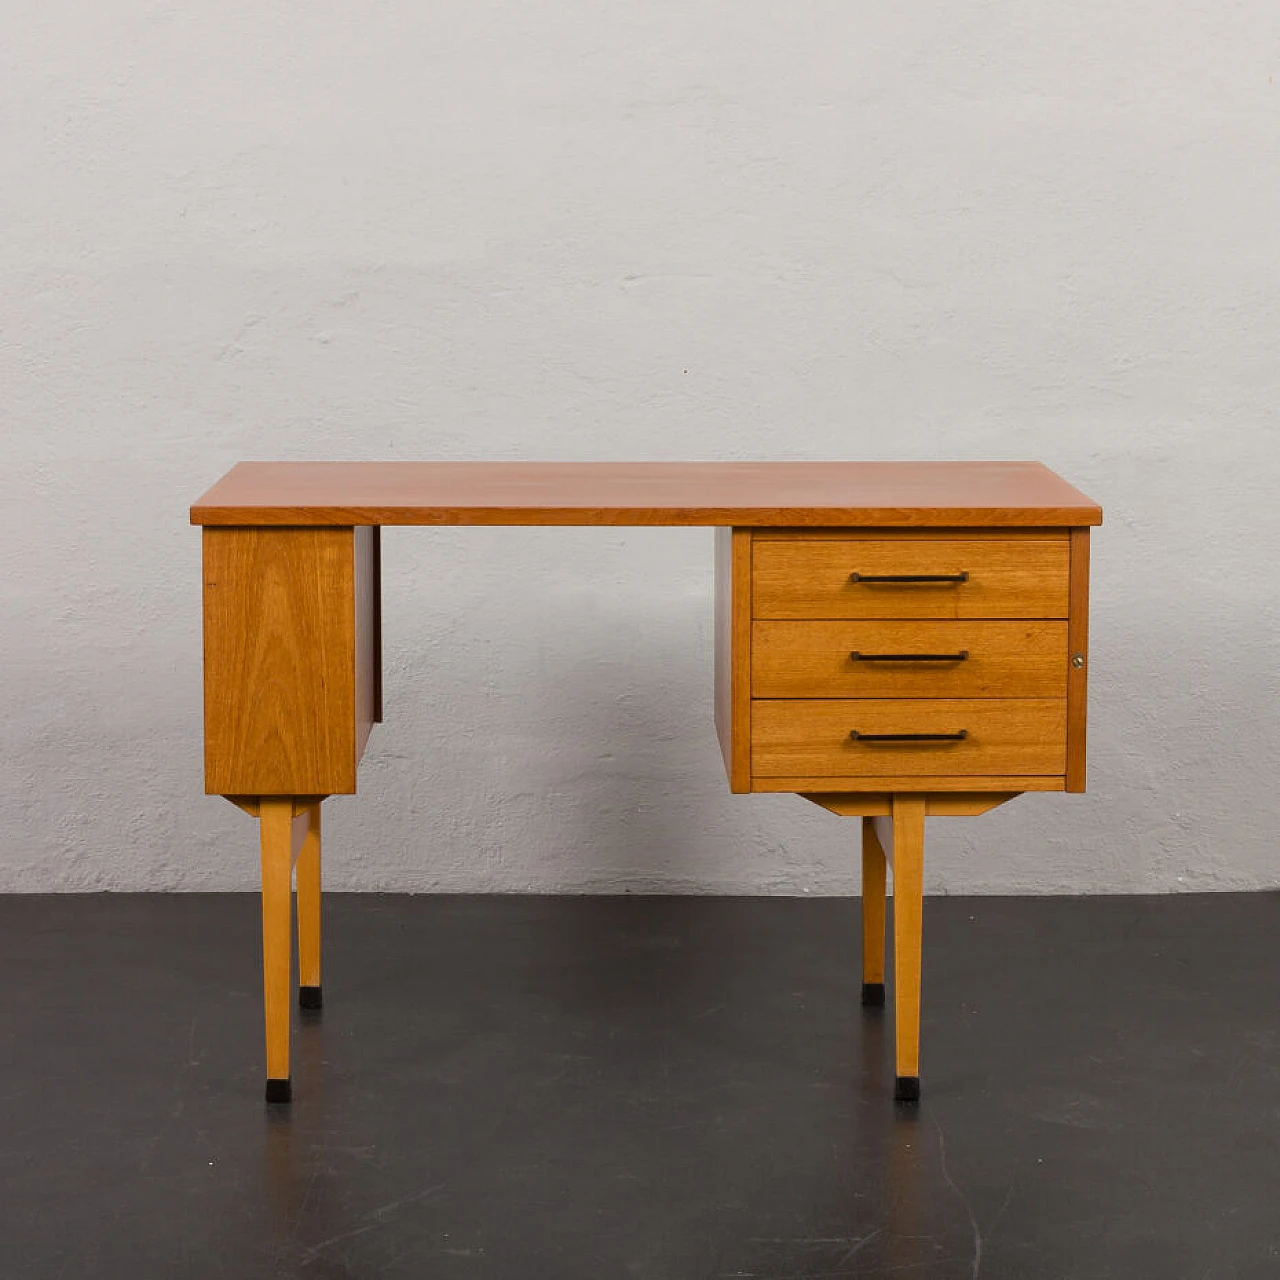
x,y
743,494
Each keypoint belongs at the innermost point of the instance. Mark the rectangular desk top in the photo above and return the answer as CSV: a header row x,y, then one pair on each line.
x,y
741,494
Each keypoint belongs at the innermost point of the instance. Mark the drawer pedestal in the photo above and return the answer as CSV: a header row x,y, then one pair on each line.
x,y
894,674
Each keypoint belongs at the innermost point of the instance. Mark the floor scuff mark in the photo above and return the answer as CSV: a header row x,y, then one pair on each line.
x,y
964,1200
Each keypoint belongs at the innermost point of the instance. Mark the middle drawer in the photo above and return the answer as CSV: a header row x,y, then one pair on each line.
x,y
912,659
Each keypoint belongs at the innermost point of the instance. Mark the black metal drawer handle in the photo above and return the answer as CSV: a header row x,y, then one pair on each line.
x,y
908,737
855,656
908,577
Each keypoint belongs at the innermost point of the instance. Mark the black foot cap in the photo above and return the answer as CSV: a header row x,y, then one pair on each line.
x,y
310,997
873,995
906,1089
279,1091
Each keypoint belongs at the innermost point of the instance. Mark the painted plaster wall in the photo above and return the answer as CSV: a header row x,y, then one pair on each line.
x,y
648,229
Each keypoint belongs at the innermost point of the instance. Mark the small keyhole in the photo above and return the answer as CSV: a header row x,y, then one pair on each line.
x,y
1077,660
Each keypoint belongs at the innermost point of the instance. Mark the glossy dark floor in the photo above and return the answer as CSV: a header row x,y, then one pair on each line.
x,y
666,1089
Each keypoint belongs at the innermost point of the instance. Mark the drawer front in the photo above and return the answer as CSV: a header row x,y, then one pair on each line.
x,y
909,659
962,578
792,738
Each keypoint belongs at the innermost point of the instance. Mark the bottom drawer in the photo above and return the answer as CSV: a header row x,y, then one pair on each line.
x,y
809,738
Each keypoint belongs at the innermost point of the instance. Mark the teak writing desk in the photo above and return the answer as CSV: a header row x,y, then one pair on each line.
x,y
893,640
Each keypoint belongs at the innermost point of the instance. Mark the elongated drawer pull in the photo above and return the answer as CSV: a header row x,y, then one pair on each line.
x,y
908,577
855,656
908,737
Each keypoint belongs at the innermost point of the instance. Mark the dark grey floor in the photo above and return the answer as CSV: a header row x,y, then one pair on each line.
x,y
645,1088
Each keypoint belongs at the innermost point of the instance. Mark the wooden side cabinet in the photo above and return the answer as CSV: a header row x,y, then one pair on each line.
x,y
292,658
890,674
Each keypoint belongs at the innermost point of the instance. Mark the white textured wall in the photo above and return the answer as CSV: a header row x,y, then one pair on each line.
x,y
641,229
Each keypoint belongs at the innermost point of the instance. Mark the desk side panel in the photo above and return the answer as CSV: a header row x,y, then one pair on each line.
x,y
733,654
368,623
1078,646
279,661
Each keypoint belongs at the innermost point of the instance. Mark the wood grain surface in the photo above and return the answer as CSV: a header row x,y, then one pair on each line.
x,y
276,824
367,553
874,880
870,804
743,494
1078,676
811,737
280,662
1003,659
1007,578
907,825
308,872
733,654
943,784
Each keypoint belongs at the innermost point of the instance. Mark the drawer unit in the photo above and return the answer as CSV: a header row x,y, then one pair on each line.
x,y
876,738
911,577
912,659
847,658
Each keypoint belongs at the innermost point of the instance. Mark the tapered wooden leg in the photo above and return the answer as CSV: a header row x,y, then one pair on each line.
x,y
873,886
309,991
908,904
276,822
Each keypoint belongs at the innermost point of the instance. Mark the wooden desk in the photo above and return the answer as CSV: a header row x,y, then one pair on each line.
x,y
893,640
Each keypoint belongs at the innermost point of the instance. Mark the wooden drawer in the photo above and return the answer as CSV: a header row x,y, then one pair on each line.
x,y
1014,577
1000,659
792,738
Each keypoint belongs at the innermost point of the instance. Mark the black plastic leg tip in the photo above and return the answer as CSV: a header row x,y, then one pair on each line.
x,y
873,995
906,1089
279,1091
310,997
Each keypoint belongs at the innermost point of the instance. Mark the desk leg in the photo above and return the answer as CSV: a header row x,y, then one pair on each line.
x,y
276,822
873,912
908,905
309,990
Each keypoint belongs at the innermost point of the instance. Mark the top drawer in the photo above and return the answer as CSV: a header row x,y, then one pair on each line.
x,y
911,576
